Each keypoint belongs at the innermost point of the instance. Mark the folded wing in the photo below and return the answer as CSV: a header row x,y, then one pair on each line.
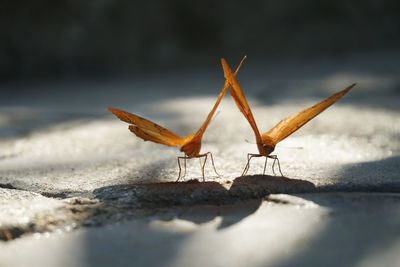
x,y
291,124
205,124
240,99
147,130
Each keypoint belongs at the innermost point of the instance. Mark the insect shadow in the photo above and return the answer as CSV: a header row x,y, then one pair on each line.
x,y
200,202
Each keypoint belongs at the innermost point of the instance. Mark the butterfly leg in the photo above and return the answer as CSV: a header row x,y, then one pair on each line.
x,y
201,165
273,167
184,165
249,157
265,165
276,159
279,167
212,162
180,169
246,168
204,164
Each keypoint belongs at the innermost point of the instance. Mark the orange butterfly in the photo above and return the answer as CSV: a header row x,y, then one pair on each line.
x,y
266,142
189,145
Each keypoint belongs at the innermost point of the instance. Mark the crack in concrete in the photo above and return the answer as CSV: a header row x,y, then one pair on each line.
x,y
73,214
8,186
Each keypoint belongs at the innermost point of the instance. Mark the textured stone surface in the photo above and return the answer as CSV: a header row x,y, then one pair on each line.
x,y
331,229
345,146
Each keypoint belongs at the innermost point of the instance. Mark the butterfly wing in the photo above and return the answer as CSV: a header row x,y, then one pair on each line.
x,y
205,124
240,99
291,124
192,144
147,130
154,137
203,127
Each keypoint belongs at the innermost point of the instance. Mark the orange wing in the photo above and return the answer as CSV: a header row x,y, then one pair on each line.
x,y
291,124
240,99
147,130
203,127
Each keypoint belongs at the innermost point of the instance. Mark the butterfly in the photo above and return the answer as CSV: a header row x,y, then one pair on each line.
x,y
266,142
189,145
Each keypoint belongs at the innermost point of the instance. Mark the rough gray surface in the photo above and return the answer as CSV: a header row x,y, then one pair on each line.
x,y
66,164
332,229
66,142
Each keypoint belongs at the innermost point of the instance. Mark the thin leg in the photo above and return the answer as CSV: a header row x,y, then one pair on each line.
x,y
249,157
204,164
265,165
273,167
279,167
276,159
212,162
273,164
184,165
246,168
180,169
184,161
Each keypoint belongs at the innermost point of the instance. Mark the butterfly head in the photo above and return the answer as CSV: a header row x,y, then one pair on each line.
x,y
266,146
191,146
265,149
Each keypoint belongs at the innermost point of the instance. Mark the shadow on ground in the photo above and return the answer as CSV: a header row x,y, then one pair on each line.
x,y
194,193
370,176
358,224
191,202
361,225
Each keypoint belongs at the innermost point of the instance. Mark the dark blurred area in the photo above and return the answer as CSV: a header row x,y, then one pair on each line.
x,y
73,39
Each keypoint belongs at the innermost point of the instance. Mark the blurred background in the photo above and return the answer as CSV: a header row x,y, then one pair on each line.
x,y
68,60
71,39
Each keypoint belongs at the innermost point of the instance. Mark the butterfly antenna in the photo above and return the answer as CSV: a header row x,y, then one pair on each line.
x,y
290,147
216,114
240,64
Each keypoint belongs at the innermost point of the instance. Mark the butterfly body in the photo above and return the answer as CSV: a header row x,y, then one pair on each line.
x,y
265,149
191,146
149,131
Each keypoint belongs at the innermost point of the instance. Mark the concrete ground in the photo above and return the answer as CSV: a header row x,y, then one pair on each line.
x,y
78,189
